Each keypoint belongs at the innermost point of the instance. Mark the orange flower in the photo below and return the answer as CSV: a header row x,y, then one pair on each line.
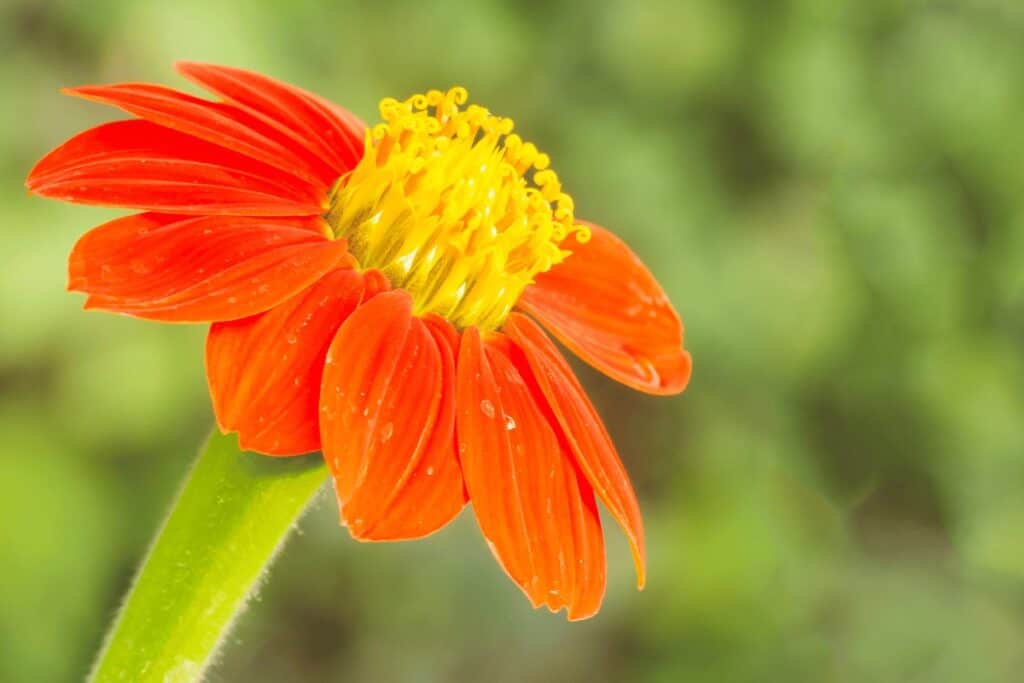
x,y
372,294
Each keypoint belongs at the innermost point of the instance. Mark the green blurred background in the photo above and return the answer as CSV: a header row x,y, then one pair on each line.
x,y
831,192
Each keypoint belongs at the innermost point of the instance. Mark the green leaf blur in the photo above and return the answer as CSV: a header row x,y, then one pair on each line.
x,y
831,192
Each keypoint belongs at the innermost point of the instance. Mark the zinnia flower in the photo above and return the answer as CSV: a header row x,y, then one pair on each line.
x,y
375,294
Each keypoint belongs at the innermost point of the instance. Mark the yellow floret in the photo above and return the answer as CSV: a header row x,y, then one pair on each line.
x,y
453,207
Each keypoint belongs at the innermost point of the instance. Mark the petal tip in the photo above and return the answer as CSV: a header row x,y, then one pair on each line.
x,y
584,615
34,179
678,379
184,66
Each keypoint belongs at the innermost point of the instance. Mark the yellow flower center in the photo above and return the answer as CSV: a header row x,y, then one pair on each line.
x,y
454,208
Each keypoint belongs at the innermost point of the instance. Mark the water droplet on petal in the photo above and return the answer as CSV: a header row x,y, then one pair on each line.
x,y
430,470
291,338
386,432
487,408
510,423
645,369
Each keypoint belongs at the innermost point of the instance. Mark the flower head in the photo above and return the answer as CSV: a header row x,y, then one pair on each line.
x,y
372,293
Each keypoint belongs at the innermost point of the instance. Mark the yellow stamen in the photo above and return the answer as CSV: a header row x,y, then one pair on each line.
x,y
454,208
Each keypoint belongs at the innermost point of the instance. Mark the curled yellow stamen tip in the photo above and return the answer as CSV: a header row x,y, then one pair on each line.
x,y
454,207
582,233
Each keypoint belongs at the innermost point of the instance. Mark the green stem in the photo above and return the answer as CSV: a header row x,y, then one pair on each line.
x,y
222,533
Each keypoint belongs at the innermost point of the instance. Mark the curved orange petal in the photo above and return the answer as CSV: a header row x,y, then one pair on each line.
x,y
533,506
334,134
265,371
387,422
209,268
430,492
605,305
220,123
139,164
583,431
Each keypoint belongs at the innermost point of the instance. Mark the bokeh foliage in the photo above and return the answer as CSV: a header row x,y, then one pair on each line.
x,y
831,192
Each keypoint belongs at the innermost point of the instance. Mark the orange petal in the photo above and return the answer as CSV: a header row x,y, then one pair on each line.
x,y
335,135
265,371
210,268
387,422
138,164
605,305
584,432
220,123
532,504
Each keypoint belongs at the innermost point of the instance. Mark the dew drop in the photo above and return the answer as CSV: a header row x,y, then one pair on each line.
x,y
430,470
291,338
487,408
645,369
386,432
510,423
